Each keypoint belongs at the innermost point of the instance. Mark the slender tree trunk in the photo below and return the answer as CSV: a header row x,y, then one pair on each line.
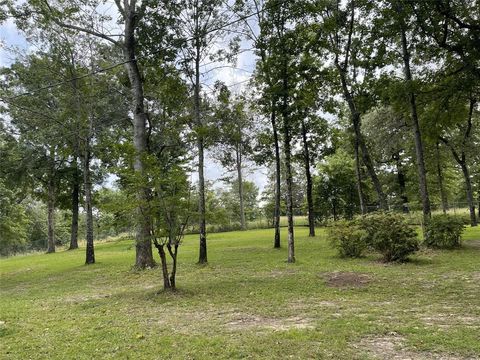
x,y
144,255
468,187
51,216
163,258
308,175
443,194
288,165
401,182
76,154
89,253
173,254
276,215
240,187
422,174
367,160
358,175
75,206
202,257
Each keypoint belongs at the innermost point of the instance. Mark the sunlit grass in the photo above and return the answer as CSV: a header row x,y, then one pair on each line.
x,y
247,303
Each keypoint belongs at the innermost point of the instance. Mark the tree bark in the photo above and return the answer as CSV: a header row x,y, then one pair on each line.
x,y
202,257
443,194
308,175
356,123
173,274
422,174
401,182
144,255
51,215
75,206
358,175
276,215
240,187
163,258
288,165
468,187
89,252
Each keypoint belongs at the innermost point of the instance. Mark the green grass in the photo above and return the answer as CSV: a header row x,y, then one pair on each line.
x,y
247,303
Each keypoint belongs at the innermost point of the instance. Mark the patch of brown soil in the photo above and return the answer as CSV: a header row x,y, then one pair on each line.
x,y
341,279
448,320
473,243
79,298
247,321
280,273
391,347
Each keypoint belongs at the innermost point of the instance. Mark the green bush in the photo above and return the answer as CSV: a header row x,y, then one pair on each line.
x,y
348,238
444,231
390,235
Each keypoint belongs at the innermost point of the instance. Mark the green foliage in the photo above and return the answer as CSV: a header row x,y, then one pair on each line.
x,y
444,231
13,223
334,188
348,238
389,234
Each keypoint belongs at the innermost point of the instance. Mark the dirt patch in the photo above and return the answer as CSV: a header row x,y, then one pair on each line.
x,y
340,279
80,298
280,273
448,320
246,321
391,347
303,305
473,244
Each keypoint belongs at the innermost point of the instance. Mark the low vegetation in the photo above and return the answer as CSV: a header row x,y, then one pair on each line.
x,y
444,231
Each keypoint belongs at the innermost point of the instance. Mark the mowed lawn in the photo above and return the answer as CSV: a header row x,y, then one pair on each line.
x,y
247,303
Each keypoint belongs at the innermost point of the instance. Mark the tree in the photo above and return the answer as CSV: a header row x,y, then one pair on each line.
x,y
200,23
402,18
335,188
268,103
280,41
350,50
70,15
232,143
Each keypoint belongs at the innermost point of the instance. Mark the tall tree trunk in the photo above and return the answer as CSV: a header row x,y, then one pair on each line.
x,y
462,161
76,154
356,123
401,182
144,255
288,165
51,215
89,252
308,175
240,187
422,174
75,206
468,187
443,194
276,215
202,257
358,175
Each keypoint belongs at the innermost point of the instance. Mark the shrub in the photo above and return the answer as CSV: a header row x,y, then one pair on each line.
x,y
444,231
390,235
348,238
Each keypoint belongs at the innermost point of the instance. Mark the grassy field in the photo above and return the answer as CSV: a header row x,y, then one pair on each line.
x,y
247,303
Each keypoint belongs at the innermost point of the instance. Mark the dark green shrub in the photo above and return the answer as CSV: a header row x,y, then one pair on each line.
x,y
390,235
348,238
444,231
